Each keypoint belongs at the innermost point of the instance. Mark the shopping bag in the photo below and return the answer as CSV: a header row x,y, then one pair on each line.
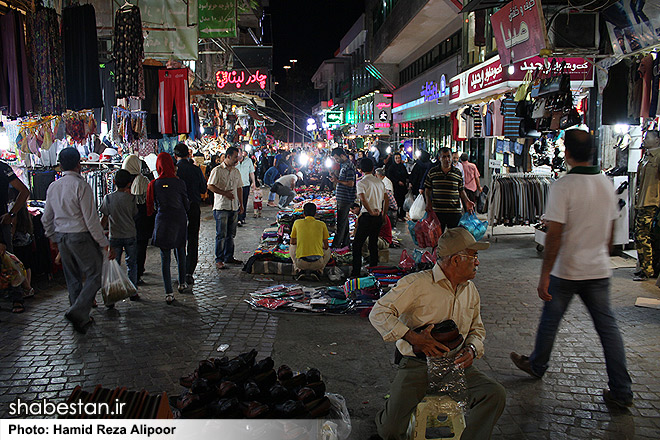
x,y
428,230
12,271
408,201
116,285
475,226
418,208
411,229
406,262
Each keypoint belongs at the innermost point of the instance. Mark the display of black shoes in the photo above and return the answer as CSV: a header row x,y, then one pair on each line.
x,y
243,388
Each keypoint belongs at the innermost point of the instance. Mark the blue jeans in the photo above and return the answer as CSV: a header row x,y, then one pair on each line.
x,y
225,231
166,260
595,295
130,246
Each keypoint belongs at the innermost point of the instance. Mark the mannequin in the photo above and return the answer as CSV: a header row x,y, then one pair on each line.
x,y
647,201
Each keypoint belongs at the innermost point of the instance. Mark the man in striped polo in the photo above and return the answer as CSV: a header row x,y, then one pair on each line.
x,y
345,192
444,191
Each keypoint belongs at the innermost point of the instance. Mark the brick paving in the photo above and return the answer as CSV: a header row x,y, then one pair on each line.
x,y
149,344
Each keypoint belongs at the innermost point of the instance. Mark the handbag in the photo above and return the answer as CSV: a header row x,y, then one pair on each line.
x,y
524,109
556,117
527,128
569,119
524,89
534,89
539,108
556,84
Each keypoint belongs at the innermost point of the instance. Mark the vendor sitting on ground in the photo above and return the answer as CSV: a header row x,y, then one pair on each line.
x,y
308,248
384,235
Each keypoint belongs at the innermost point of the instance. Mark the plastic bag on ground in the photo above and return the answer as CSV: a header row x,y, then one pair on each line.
x,y
418,208
408,201
475,226
342,417
411,229
116,285
428,230
447,378
406,262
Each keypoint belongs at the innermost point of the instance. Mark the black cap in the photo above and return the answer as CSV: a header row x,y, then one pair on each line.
x,y
69,158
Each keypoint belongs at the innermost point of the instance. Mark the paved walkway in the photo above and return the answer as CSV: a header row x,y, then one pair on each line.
x,y
149,344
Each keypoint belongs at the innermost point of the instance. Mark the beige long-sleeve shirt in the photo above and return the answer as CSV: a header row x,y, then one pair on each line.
x,y
427,297
70,208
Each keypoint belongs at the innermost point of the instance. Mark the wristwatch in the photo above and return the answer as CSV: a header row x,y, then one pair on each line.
x,y
473,348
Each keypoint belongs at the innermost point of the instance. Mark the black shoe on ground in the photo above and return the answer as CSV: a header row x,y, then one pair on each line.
x,y
239,224
190,280
640,277
609,399
140,282
315,275
233,261
522,362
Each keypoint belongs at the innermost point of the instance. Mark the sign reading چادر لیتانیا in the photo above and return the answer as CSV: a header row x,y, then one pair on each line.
x,y
217,18
242,79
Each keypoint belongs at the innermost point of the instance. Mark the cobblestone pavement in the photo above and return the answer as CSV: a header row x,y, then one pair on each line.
x,y
149,344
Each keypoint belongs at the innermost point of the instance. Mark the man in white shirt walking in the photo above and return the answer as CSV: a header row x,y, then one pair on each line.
x,y
371,191
580,215
225,181
71,221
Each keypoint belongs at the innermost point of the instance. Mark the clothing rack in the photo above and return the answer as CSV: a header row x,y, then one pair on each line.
x,y
101,181
517,199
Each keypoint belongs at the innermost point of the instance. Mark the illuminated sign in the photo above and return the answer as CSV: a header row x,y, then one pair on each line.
x,y
382,125
383,107
430,91
443,85
333,118
239,80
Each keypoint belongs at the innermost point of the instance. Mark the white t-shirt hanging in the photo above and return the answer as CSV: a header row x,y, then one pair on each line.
x,y
586,206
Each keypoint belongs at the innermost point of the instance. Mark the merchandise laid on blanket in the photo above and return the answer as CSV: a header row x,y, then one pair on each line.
x,y
355,296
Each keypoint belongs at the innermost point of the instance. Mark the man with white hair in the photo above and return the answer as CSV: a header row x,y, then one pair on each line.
x,y
284,187
443,295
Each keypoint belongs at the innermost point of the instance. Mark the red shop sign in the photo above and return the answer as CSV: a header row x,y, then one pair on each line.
x,y
519,30
455,89
237,80
485,77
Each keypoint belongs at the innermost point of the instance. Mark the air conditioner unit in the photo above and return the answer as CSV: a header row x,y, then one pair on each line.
x,y
575,32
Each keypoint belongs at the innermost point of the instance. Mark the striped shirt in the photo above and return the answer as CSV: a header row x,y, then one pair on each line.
x,y
445,189
346,194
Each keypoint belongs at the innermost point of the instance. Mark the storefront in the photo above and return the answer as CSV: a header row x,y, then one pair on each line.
x,y
489,117
421,110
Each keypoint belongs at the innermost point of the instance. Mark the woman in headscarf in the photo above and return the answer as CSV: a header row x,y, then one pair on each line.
x,y
143,223
167,197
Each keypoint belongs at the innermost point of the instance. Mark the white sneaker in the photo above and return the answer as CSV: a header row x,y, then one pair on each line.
x,y
183,287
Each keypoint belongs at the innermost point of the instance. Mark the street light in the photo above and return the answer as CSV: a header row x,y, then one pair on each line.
x,y
286,67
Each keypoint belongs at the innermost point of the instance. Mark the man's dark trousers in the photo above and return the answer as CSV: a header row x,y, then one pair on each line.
x,y
367,226
194,214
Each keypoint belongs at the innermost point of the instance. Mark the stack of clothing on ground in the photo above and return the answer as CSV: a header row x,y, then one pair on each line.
x,y
325,211
353,297
272,255
244,388
309,192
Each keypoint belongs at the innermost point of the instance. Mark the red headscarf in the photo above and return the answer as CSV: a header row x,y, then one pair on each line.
x,y
165,168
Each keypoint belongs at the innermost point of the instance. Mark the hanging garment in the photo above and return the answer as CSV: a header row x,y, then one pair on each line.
x,y
654,87
150,103
128,49
511,121
615,97
475,112
81,59
108,87
45,46
173,101
646,71
634,92
15,94
498,118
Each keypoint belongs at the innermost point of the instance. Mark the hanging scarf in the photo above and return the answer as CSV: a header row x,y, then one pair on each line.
x,y
140,183
165,168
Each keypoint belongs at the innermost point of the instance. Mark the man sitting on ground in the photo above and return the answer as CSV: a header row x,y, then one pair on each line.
x,y
309,248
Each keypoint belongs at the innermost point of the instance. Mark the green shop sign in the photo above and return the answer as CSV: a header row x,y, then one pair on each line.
x,y
333,118
217,18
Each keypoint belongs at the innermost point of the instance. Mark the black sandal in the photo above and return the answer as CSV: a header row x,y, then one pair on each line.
x,y
18,307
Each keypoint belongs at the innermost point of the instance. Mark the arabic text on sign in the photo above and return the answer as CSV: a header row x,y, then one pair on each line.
x,y
239,79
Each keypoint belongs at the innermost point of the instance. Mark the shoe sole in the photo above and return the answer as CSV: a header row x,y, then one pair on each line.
x,y
522,368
